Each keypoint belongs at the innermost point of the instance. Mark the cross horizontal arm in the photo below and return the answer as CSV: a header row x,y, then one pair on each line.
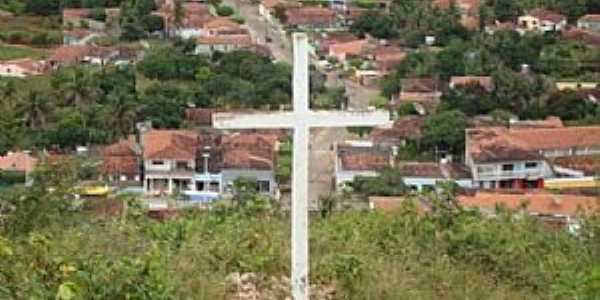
x,y
347,118
253,120
296,119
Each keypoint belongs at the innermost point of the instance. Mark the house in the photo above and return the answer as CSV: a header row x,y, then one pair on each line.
x,y
542,20
468,9
345,5
364,159
222,43
345,50
589,22
404,129
559,211
249,155
22,68
387,58
310,17
424,93
520,158
323,41
423,176
21,161
169,160
486,82
221,26
77,54
121,161
194,17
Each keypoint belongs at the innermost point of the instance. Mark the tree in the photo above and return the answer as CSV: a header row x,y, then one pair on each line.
x,y
471,99
152,23
445,130
378,25
388,183
77,86
42,7
164,105
34,108
225,11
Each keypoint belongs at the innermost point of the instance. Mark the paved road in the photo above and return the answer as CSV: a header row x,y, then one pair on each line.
x,y
322,158
260,29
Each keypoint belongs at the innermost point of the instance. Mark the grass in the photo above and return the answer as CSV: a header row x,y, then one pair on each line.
x,y
8,52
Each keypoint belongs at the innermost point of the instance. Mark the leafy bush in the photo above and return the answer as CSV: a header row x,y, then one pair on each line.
x,y
225,11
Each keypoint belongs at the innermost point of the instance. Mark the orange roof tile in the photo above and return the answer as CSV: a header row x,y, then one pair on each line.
x,y
17,161
361,158
75,13
535,203
547,15
349,48
310,15
170,144
590,18
226,39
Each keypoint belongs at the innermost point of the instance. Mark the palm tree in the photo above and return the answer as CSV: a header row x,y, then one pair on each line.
x,y
33,107
120,113
78,87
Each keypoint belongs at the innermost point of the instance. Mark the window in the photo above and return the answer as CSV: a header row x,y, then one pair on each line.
x,y
264,186
158,162
182,165
508,167
531,165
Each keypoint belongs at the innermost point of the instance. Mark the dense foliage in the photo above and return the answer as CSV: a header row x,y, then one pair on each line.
x,y
89,105
49,248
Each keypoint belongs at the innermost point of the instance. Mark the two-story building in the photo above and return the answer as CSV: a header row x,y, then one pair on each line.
x,y
169,160
520,158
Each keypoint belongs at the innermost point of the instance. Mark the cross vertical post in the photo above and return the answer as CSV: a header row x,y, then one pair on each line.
x,y
300,120
300,284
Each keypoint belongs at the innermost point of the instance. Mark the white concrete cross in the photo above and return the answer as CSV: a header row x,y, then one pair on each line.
x,y
301,119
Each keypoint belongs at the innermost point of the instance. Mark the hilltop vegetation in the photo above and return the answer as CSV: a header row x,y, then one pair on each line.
x,y
49,248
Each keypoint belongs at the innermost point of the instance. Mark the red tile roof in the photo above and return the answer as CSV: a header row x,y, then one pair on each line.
x,y
547,15
355,47
121,157
17,161
255,151
588,164
486,82
590,18
419,85
226,39
364,158
310,16
221,23
533,203
498,143
69,54
170,144
30,66
408,127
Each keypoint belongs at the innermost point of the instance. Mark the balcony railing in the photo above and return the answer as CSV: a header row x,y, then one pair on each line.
x,y
510,174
